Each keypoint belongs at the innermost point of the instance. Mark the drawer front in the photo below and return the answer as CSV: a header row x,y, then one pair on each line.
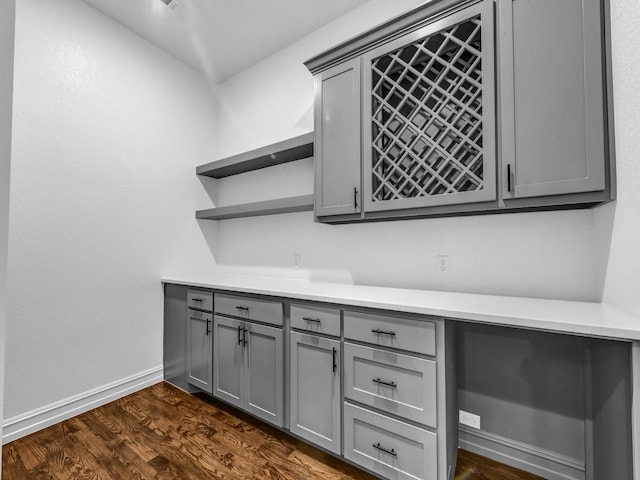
x,y
200,299
412,335
316,319
388,447
399,384
266,311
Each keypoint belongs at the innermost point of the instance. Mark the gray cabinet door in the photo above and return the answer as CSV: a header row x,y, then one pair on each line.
x,y
199,349
552,97
315,390
228,376
337,141
429,115
264,387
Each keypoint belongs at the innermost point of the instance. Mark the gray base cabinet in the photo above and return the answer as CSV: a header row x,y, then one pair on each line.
x,y
315,399
249,367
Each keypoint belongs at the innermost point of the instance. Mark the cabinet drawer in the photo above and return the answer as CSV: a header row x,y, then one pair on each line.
x,y
388,447
316,319
200,299
399,384
266,311
411,335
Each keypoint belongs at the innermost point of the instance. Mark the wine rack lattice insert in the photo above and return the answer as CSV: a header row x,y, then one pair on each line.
x,y
427,116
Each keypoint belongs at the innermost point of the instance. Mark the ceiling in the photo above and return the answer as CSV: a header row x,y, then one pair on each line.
x,y
223,37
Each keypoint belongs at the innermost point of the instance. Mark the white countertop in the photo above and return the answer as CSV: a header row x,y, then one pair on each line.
x,y
581,318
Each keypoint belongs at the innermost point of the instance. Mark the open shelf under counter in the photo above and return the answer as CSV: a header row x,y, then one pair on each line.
x,y
300,203
292,149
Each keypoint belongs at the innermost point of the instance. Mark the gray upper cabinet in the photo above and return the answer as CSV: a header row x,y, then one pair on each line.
x,y
429,115
462,107
337,129
552,97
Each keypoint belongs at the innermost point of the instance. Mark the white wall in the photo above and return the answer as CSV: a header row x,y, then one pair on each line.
x,y
532,254
6,97
620,223
107,133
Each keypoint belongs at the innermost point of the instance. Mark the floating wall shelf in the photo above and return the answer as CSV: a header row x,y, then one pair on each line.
x,y
286,151
302,203
290,150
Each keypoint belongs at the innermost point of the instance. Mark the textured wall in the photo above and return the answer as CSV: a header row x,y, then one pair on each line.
x,y
6,96
531,254
107,133
620,223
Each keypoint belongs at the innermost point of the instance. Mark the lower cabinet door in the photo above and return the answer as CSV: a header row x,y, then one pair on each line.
x,y
199,346
388,447
264,387
228,361
315,390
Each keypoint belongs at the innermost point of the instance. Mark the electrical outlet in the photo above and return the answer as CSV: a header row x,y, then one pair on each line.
x,y
296,260
469,419
443,263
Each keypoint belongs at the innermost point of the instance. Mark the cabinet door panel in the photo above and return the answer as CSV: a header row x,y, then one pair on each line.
x,y
337,145
315,390
553,123
199,346
228,361
264,388
429,115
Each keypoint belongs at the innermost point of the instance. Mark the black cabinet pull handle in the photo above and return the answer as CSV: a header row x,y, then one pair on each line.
x,y
377,331
382,382
309,319
244,336
242,308
208,330
239,333
197,299
385,450
508,177
335,365
355,197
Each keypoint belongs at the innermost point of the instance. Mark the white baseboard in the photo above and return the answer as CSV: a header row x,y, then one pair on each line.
x,y
43,417
544,463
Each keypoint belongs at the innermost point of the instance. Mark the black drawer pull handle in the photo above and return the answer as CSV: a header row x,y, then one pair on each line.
x,y
243,308
239,335
197,299
385,450
377,331
309,319
382,382
335,365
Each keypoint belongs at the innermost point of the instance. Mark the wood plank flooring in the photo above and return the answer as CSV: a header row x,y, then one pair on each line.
x,y
163,433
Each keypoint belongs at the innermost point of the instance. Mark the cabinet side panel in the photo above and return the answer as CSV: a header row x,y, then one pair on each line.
x,y
175,340
611,399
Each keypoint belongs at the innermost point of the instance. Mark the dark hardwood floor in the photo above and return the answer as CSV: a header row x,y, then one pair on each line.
x,y
163,433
